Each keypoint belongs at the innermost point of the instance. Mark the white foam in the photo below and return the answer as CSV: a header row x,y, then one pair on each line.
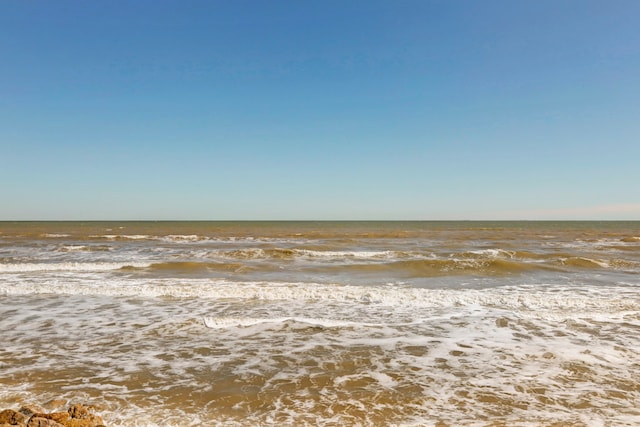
x,y
274,351
348,254
260,253
124,237
74,248
226,322
68,266
383,379
543,300
183,238
494,253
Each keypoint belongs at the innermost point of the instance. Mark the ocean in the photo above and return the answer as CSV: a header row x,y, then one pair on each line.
x,y
324,323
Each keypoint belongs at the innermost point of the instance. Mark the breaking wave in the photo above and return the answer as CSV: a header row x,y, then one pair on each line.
x,y
68,266
549,299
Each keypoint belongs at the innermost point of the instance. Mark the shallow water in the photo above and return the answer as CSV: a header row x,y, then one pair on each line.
x,y
312,323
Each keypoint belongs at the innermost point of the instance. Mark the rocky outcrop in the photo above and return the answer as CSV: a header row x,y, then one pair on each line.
x,y
12,418
34,416
29,410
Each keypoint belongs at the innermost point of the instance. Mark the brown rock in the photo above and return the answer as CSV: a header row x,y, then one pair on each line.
x,y
76,416
79,411
59,417
42,422
82,416
11,417
29,410
93,421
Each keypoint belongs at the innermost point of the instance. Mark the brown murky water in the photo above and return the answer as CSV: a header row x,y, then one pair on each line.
x,y
312,323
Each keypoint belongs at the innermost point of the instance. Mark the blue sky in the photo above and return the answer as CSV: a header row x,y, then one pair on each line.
x,y
320,109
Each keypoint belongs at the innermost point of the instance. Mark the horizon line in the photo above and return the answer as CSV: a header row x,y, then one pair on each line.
x,y
329,220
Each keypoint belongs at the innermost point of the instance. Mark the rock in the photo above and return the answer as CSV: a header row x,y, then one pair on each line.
x,y
29,410
11,417
79,411
42,422
59,417
82,416
94,421
76,416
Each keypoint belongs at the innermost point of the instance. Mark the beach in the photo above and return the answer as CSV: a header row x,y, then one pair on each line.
x,y
324,323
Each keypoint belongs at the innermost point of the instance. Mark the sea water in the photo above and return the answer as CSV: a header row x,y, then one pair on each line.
x,y
324,323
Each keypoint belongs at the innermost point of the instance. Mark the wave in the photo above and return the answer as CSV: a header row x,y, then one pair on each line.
x,y
123,237
403,263
583,262
194,267
443,267
67,266
188,238
367,264
492,261
287,253
543,300
84,248
228,322
490,253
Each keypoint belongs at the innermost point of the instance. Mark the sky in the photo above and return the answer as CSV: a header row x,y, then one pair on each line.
x,y
319,110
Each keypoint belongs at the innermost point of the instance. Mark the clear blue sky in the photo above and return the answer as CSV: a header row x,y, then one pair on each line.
x,y
430,109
